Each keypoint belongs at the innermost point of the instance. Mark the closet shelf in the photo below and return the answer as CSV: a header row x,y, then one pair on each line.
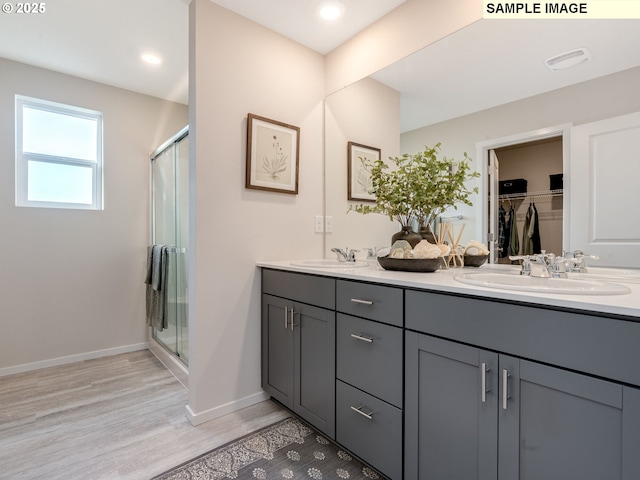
x,y
544,193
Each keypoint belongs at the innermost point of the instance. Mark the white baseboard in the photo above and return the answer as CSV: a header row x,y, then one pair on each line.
x,y
28,367
213,413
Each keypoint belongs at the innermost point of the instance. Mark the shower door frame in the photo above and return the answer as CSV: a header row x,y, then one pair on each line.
x,y
171,143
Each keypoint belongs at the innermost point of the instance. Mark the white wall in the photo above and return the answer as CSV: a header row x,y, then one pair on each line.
x,y
238,67
71,281
604,97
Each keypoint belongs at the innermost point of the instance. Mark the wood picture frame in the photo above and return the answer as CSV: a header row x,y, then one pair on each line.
x,y
358,175
273,149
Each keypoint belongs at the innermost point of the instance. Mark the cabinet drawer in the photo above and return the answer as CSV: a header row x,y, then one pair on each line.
x,y
376,302
572,340
300,287
369,357
376,440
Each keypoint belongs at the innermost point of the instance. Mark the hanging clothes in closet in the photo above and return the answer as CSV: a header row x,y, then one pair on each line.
x,y
514,241
502,232
531,232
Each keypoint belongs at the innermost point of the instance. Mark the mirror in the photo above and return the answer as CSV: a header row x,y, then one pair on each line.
x,y
486,81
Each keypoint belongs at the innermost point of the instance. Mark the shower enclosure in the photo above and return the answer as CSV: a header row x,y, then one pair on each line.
x,y
169,227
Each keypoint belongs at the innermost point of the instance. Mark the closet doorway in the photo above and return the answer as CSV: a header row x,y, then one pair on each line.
x,y
525,189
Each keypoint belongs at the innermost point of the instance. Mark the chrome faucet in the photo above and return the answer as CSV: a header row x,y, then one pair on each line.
x,y
528,260
548,261
578,257
554,267
525,265
346,255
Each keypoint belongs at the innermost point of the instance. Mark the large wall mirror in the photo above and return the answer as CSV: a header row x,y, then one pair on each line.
x,y
484,86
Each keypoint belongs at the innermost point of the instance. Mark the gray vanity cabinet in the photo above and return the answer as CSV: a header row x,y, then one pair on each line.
x,y
298,345
557,425
426,385
277,349
451,428
369,373
478,413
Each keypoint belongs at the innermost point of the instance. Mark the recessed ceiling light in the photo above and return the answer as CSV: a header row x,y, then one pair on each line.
x,y
330,9
568,59
151,58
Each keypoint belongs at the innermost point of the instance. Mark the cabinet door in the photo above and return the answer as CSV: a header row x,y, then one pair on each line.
x,y
277,349
451,400
315,366
560,425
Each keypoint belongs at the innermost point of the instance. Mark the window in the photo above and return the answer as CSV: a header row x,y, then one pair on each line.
x,y
58,155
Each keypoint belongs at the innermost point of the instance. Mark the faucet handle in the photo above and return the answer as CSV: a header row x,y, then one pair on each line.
x,y
526,263
351,254
372,252
578,258
578,254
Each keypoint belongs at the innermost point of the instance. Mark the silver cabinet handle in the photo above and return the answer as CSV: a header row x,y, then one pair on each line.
x,y
359,410
360,337
505,388
484,390
292,314
286,318
362,302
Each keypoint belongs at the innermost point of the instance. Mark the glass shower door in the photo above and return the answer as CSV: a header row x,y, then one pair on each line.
x,y
170,203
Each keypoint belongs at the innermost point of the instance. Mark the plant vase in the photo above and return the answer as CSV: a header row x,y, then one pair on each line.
x,y
407,233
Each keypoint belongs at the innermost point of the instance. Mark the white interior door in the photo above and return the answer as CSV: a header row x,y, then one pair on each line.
x,y
494,171
604,195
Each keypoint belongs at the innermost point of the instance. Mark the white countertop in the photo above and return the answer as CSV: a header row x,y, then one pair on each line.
x,y
443,281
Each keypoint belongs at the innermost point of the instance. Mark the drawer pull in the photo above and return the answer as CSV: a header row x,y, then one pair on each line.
x,y
366,415
362,302
360,337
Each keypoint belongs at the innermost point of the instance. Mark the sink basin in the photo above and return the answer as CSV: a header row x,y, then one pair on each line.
x,y
329,264
567,286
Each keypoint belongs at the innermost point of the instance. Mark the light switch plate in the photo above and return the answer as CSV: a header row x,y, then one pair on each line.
x,y
319,224
328,224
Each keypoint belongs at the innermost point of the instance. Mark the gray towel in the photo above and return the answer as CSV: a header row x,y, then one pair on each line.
x,y
156,280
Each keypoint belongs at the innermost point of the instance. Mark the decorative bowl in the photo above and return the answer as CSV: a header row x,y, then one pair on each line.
x,y
475,260
411,264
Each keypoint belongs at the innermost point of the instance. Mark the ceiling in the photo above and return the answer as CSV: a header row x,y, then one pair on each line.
x,y
486,64
493,62
102,40
296,19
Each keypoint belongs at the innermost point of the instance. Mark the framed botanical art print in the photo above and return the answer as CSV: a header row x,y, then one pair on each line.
x,y
272,155
358,175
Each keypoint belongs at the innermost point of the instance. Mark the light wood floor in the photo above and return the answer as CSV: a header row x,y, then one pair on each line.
x,y
114,418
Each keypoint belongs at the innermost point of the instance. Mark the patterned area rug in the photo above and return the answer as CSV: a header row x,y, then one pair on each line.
x,y
286,450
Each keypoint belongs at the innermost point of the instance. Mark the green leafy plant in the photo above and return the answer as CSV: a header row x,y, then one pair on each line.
x,y
419,187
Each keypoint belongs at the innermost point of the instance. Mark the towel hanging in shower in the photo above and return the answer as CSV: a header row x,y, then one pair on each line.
x,y
156,281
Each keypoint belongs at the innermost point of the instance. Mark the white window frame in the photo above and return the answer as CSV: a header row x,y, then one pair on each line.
x,y
22,158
